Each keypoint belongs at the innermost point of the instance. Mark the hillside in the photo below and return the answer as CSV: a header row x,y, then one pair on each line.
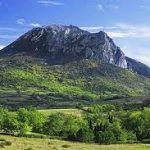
x,y
31,81
61,66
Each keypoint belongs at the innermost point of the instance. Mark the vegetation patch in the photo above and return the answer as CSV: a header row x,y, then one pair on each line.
x,y
4,143
66,146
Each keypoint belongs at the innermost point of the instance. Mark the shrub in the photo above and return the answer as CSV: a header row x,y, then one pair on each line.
x,y
85,135
66,146
8,143
2,139
2,145
30,148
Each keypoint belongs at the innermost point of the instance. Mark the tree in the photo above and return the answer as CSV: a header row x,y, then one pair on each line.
x,y
31,118
85,135
54,124
10,123
3,116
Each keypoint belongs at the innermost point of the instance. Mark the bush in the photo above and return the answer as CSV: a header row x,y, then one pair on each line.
x,y
85,135
8,143
2,139
2,145
146,141
55,124
30,148
66,146
60,124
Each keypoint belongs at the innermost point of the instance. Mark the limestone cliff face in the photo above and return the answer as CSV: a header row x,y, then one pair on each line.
x,y
59,44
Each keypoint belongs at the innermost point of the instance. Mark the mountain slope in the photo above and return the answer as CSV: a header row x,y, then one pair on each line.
x,y
28,81
138,67
60,66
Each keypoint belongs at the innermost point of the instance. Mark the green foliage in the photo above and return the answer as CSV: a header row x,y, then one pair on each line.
x,y
24,128
30,119
85,135
10,124
103,124
60,124
83,82
138,122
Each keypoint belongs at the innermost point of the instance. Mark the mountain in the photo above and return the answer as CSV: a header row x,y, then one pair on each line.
x,y
60,44
63,66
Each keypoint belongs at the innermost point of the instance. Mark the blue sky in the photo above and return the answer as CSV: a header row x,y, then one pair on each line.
x,y
126,21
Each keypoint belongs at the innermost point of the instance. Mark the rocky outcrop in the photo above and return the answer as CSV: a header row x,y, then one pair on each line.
x,y
59,44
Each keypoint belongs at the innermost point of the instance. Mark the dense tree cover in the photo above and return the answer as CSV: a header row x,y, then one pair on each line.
x,y
104,124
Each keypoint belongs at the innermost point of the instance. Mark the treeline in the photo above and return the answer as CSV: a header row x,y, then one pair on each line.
x,y
104,124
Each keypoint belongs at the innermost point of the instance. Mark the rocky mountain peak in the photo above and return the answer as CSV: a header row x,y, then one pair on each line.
x,y
60,44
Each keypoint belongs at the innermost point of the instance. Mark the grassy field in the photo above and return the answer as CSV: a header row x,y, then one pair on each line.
x,y
49,144
47,112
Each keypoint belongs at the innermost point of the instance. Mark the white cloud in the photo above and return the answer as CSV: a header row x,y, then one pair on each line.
x,y
113,6
145,7
1,47
134,31
21,21
35,25
50,3
123,30
119,34
100,7
136,52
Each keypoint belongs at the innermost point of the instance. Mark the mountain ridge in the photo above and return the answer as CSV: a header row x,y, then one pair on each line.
x,y
60,44
68,41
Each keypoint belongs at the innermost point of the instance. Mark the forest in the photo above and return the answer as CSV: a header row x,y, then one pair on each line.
x,y
102,124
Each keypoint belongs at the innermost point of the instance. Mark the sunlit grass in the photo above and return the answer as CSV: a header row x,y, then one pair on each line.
x,y
19,143
47,112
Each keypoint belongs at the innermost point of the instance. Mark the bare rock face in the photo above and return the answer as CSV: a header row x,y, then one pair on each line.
x,y
59,44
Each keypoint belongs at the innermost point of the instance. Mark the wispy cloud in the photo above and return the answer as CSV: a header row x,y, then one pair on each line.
x,y
100,7
21,21
113,6
133,50
35,25
145,7
50,3
123,30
